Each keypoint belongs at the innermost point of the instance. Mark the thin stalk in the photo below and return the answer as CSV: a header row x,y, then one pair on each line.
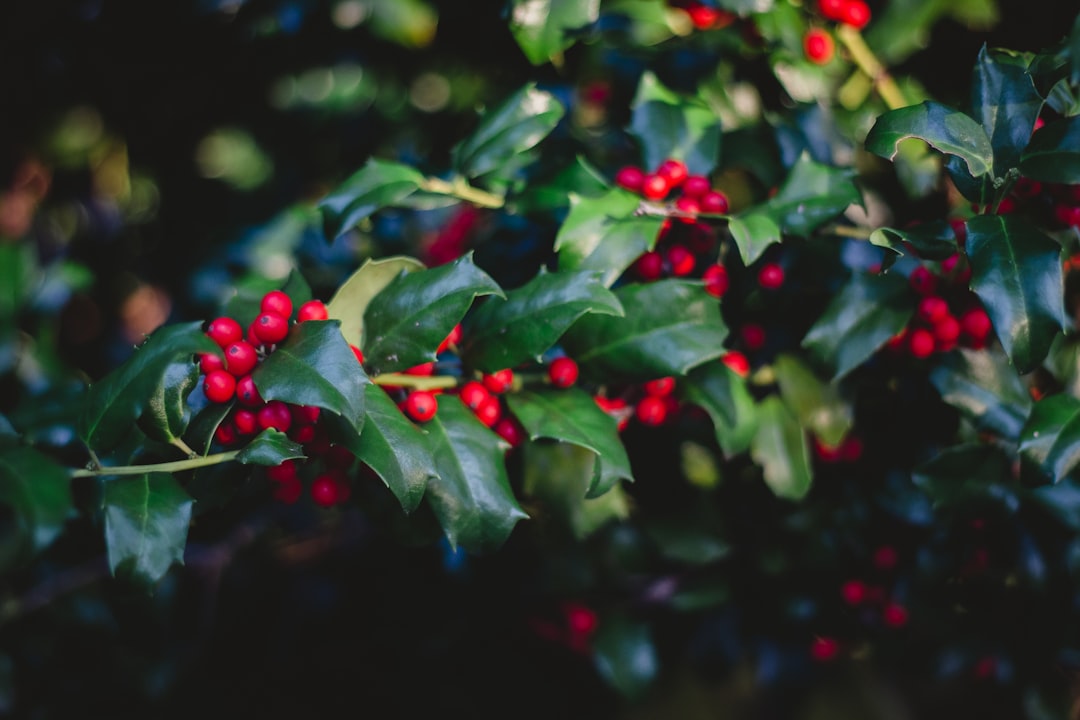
x,y
461,189
868,62
168,467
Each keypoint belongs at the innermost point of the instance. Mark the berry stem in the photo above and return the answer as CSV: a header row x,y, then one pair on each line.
x,y
183,447
460,188
869,64
168,467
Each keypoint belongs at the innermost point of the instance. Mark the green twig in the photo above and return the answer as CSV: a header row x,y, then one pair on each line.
x,y
168,467
867,61
461,189
183,447
416,382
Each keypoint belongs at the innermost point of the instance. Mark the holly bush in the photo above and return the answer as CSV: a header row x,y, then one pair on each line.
x,y
619,357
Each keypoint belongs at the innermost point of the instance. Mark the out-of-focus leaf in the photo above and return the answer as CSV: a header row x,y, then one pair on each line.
x,y
380,183
779,447
353,296
724,396
167,413
671,126
542,27
1053,155
38,491
558,474
625,656
817,405
515,126
1048,438
984,388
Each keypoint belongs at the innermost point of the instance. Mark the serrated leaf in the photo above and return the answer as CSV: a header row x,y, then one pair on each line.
x,y
405,323
624,655
201,429
515,126
471,497
397,450
114,403
670,326
572,416
38,490
1043,431
753,233
379,184
505,332
167,413
934,240
1016,272
984,387
270,447
867,312
351,299
949,131
817,405
146,525
1063,455
558,475
543,28
673,126
779,447
723,394
602,233
1053,155
812,194
957,473
1005,101
315,367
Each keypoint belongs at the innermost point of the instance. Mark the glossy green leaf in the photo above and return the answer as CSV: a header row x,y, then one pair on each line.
x,y
352,297
557,475
1053,155
471,497
753,233
670,326
934,240
961,472
866,313
978,190
397,450
38,490
625,656
167,412
114,403
515,126
1005,101
379,184
647,23
505,332
602,233
817,405
723,394
270,447
673,126
201,429
544,28
1063,455
405,323
949,131
1043,430
1016,272
986,389
315,366
744,8
812,194
578,179
572,416
779,447
146,525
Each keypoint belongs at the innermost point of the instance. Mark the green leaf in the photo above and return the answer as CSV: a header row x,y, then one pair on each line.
x,y
812,194
245,304
779,447
558,475
673,126
201,429
1005,101
114,403
505,332
167,413
379,184
1053,155
1043,431
949,131
543,28
601,233
959,473
405,323
723,394
744,8
1064,453
471,497
625,656
270,447
517,125
579,179
985,389
352,298
934,240
817,405
670,326
867,312
38,491
1016,272
572,416
753,233
315,366
146,525
397,450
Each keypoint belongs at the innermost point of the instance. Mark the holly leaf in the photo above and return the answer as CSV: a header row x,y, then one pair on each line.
x,y
1053,155
983,387
867,312
504,332
146,525
601,233
1005,101
517,125
578,179
723,394
352,298
38,491
934,240
1016,272
471,497
201,429
961,473
270,447
947,130
572,416
753,233
558,475
779,447
167,413
113,404
817,405
674,126
1050,439
812,194
669,327
379,184
544,28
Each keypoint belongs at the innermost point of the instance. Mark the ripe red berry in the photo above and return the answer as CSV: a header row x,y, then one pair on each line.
x,y
312,310
824,649
894,615
690,206
649,266
580,619
771,276
702,16
271,328
696,186
209,362
714,202
923,281
976,324
240,358
305,414
326,490
510,430
277,303
655,187
680,260
832,9
716,280
225,433
275,414
423,369
932,309
247,393
282,473
252,339
630,177
452,339
660,387
473,394
853,592
921,343
288,491
753,336
219,386
358,353
420,406
224,331
563,372
819,46
737,362
947,332
500,381
302,433
246,421
489,411
856,14
651,410
674,170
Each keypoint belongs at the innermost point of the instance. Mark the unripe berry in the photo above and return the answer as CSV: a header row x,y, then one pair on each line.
x,y
696,186
651,410
510,430
420,406
716,280
240,358
224,331
649,266
674,170
219,386
312,310
209,362
246,421
271,328
660,387
500,381
714,202
275,414
247,393
737,362
277,303
563,372
819,46
630,178
771,276
473,394
856,14
655,187
921,343
326,490
489,411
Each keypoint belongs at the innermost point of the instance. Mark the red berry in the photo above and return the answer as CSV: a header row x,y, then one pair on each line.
x,y
832,9
894,615
247,393
305,414
753,336
714,202
630,177
580,619
420,406
976,324
921,343
716,280
510,430
225,433
851,449
986,667
338,456
675,171
853,592
947,332
302,433
240,358
932,309
452,339
649,266
277,303
681,260
771,276
312,310
500,381
696,186
655,187
737,362
473,394
252,339
282,473
246,421
563,372
923,281
856,14
885,557
358,353
224,331
326,490
651,410
271,328
702,16
423,369
489,411
690,207
288,491
660,387
824,649
219,386
819,46
1067,215
209,362
275,414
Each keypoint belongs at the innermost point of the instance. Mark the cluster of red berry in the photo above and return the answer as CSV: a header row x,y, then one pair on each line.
x,y
705,17
818,43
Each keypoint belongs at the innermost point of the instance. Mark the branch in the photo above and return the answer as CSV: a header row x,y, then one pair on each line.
x,y
865,59
169,467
